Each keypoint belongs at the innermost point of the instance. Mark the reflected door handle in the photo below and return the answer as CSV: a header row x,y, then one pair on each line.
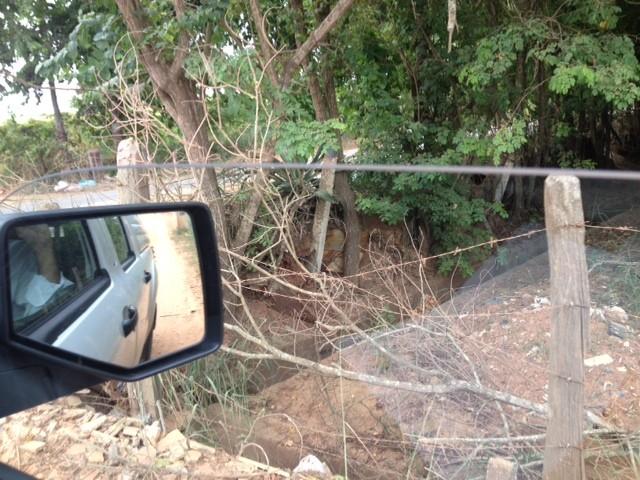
x,y
147,277
130,320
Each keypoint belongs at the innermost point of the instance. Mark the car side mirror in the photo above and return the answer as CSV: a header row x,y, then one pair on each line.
x,y
115,292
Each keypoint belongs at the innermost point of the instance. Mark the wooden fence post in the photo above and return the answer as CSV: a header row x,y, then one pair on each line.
x,y
564,218
134,188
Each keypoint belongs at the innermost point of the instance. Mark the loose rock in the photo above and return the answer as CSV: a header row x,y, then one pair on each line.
x,y
175,437
33,446
618,330
192,456
95,457
176,452
616,314
77,449
94,424
72,401
130,431
145,455
598,361
311,465
73,446
152,432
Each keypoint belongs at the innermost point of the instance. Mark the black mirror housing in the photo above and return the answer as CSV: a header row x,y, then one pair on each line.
x,y
20,350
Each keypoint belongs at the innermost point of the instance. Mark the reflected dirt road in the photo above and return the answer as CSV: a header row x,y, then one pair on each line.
x,y
180,321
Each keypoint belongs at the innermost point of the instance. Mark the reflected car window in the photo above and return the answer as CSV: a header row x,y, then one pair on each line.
x,y
50,265
116,231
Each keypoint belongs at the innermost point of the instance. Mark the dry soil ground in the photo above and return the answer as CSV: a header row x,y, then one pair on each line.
x,y
180,321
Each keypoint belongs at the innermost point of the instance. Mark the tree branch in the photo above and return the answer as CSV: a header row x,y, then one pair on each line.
x,y
328,24
182,50
266,50
137,24
451,386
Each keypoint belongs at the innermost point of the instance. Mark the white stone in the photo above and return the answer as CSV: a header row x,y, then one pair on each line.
x,y
539,302
115,429
102,438
152,432
598,361
113,454
94,424
130,431
60,186
201,447
18,430
312,465
534,351
72,401
73,413
175,437
33,446
95,457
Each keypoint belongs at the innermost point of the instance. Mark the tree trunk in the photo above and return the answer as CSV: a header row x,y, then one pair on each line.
x,y
61,133
184,106
250,212
178,95
518,193
326,107
347,199
541,152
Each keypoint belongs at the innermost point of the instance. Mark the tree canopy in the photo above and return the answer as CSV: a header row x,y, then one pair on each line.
x,y
525,83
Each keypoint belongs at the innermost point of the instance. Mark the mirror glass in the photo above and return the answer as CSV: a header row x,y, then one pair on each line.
x,y
119,289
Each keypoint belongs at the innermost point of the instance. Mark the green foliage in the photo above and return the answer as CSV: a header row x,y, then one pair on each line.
x,y
304,141
442,201
532,86
30,149
31,32
495,57
604,66
570,160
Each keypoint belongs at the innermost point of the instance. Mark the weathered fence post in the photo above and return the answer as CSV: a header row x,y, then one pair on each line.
x,y
323,210
563,455
95,161
134,188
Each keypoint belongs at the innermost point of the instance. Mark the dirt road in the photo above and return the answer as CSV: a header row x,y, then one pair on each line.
x,y
180,321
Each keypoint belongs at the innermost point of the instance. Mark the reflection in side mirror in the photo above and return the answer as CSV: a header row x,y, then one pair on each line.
x,y
120,289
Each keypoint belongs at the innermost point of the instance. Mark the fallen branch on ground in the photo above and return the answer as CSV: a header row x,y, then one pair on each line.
x,y
440,389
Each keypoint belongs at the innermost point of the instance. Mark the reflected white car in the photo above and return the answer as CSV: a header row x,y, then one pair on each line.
x,y
105,304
